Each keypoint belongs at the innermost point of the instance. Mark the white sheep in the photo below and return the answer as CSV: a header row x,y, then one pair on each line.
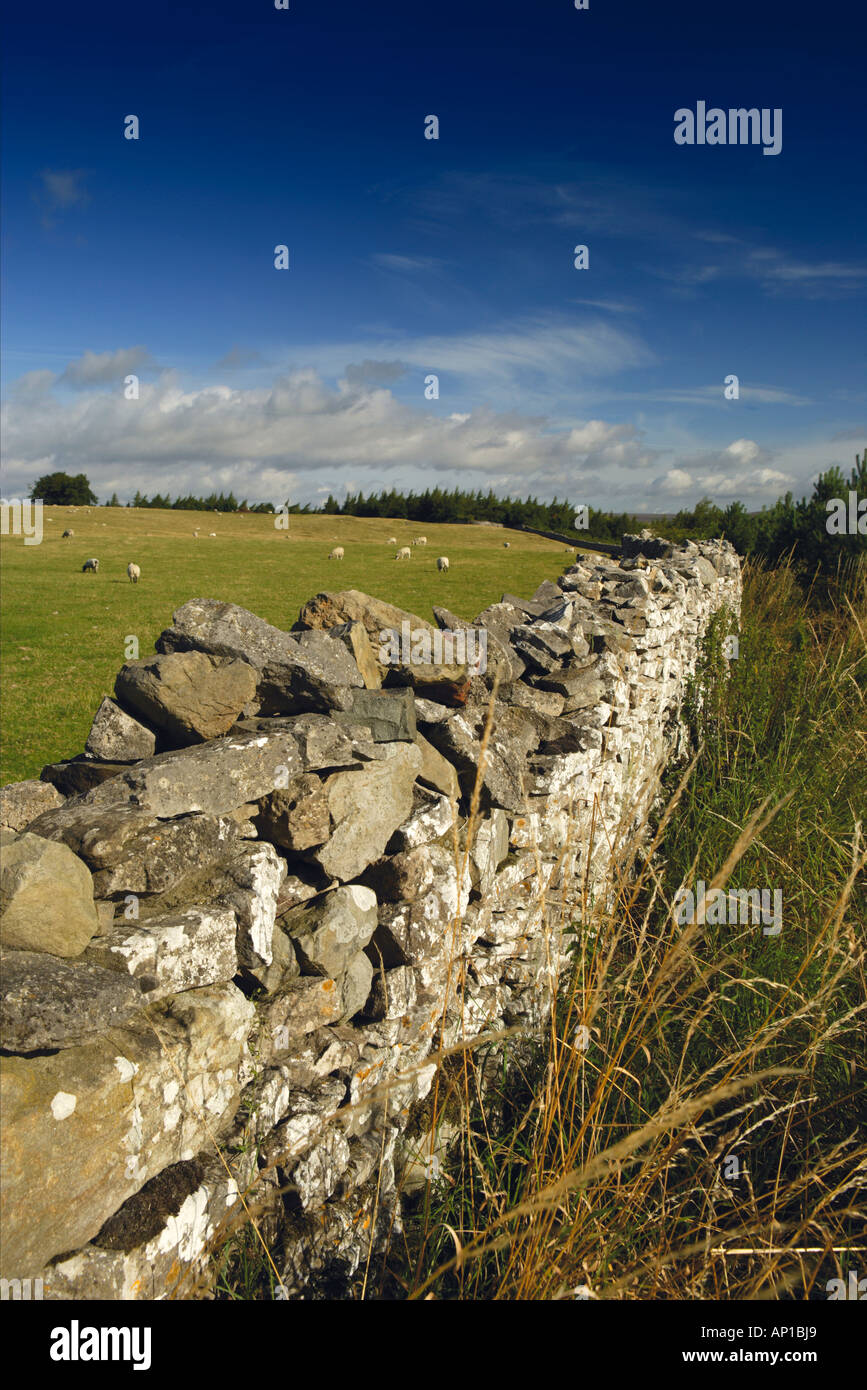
x,y
392,540
67,533
212,535
91,565
420,540
134,573
442,562
337,553
404,553
507,545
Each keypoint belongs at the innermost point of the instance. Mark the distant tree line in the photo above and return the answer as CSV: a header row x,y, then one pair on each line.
x,y
217,502
803,529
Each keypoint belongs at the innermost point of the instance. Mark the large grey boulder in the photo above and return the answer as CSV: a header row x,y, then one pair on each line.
x,y
190,696
84,1128
298,817
515,733
46,897
116,737
366,807
187,950
46,1003
130,851
295,671
22,802
328,933
388,714
214,777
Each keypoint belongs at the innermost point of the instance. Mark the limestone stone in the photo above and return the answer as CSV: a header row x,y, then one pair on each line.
x,y
157,1245
366,807
97,1121
433,815
296,671
401,877
186,950
327,934
354,637
214,777
356,984
544,649
490,847
330,610
190,696
393,995
538,698
46,898
301,1006
49,1003
130,851
22,802
296,818
436,770
116,737
80,774
388,714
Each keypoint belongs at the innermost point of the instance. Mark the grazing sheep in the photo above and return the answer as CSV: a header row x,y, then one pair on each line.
x,y
404,553
92,565
212,535
134,573
337,553
420,540
67,533
392,540
442,562
507,545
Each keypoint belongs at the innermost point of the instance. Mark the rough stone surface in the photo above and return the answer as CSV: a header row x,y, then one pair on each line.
x,y
46,898
330,610
97,1121
49,1003
130,851
298,818
388,714
214,777
366,808
190,696
355,639
328,933
22,802
116,737
295,670
168,954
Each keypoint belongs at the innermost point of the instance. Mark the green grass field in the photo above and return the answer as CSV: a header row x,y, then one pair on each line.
x,y
64,633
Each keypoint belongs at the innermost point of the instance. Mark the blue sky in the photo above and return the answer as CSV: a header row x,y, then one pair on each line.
x,y
453,256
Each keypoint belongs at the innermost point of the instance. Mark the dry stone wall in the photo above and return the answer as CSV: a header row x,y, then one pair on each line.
x,y
237,929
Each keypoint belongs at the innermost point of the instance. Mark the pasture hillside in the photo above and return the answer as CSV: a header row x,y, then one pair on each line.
x,y
65,633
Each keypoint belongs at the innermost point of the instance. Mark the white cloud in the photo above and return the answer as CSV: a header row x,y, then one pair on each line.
x,y
258,439
103,368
